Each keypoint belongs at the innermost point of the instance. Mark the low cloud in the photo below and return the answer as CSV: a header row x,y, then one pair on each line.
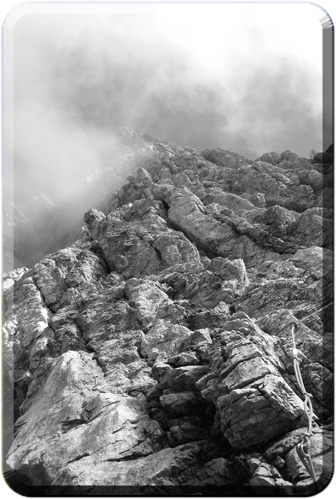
x,y
78,79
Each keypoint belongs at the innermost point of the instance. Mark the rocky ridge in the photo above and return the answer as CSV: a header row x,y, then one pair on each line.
x,y
154,355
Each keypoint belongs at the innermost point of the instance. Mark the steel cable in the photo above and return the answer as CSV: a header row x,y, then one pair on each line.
x,y
303,447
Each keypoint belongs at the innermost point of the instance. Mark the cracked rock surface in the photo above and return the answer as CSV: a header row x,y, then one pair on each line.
x,y
154,354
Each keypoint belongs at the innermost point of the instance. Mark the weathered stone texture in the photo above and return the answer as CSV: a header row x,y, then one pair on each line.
x,y
156,350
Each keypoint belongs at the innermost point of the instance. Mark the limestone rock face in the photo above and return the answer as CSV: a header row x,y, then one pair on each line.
x,y
154,355
247,387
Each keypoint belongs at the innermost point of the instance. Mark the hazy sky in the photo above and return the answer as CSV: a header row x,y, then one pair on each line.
x,y
244,77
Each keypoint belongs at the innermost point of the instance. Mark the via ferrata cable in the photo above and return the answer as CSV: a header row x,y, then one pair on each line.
x,y
303,447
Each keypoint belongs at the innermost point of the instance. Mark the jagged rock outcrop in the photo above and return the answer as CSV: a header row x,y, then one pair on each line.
x,y
154,355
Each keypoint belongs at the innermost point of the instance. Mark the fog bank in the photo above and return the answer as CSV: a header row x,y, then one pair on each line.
x,y
226,75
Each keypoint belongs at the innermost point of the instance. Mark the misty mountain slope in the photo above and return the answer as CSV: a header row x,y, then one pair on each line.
x,y
154,354
37,225
46,212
